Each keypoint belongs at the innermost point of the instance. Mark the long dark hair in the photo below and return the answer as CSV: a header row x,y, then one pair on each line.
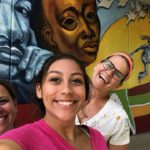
x,y
9,88
43,72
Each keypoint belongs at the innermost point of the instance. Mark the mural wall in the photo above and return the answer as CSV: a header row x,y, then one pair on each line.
x,y
125,27
33,30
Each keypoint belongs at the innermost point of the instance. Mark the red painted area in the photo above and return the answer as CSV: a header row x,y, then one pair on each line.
x,y
27,113
141,89
142,123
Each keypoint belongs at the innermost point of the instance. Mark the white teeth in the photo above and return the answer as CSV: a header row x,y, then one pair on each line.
x,y
65,103
103,78
1,119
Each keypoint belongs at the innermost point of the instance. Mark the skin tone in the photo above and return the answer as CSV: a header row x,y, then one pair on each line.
x,y
103,80
68,91
8,110
65,99
72,25
63,94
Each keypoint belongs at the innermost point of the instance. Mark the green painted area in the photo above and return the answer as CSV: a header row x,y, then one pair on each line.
x,y
123,96
139,99
128,101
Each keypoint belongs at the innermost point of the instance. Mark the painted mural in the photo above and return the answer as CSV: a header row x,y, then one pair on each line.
x,y
33,30
20,57
125,27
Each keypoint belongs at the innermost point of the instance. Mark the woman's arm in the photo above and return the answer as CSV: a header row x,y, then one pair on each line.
x,y
9,145
118,147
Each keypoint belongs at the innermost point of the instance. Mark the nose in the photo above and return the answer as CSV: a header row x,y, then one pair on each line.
x,y
16,31
66,89
87,31
9,27
110,72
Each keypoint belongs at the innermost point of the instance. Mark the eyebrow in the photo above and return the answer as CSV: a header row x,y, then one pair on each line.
x,y
115,67
76,11
75,73
72,9
4,97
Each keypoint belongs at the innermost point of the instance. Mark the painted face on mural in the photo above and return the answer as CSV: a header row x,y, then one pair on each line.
x,y
14,24
72,27
20,58
14,31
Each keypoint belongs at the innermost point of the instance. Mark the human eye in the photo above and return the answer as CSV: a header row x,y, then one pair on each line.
x,y
3,101
55,80
24,8
118,75
69,23
77,81
107,64
91,17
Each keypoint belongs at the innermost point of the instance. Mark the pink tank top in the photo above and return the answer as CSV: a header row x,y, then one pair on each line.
x,y
39,136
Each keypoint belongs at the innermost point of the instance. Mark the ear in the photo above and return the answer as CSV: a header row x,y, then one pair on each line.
x,y
48,36
38,91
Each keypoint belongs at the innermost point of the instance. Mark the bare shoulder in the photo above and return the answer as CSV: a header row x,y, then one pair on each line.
x,y
9,145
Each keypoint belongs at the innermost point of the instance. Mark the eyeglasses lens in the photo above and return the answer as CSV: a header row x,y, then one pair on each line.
x,y
108,65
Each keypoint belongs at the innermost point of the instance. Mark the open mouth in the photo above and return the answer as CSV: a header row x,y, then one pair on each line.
x,y
103,78
65,103
2,119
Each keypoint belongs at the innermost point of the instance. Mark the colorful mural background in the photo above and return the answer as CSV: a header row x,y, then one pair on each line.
x,y
124,27
20,57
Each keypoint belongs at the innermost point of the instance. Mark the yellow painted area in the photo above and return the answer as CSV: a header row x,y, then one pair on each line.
x,y
140,110
125,38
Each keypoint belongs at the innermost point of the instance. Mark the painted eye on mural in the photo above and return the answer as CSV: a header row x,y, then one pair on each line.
x,y
91,17
23,11
69,23
24,8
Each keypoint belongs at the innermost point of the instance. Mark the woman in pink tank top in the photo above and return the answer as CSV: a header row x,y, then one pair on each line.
x,y
62,89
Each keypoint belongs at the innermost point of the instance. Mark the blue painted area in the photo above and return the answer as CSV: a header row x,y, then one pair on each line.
x,y
109,16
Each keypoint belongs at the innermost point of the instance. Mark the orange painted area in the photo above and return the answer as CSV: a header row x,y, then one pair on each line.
x,y
139,111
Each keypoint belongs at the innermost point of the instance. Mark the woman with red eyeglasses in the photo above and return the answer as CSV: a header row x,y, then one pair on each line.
x,y
102,112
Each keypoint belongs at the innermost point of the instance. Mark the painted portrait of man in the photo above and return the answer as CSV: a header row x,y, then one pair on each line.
x,y
68,27
20,58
